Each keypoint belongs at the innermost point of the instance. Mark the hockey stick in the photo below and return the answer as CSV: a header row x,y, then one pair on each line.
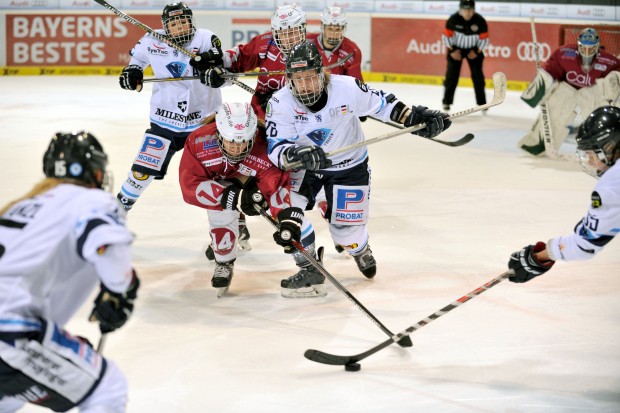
x,y
161,38
548,141
326,358
459,142
499,94
404,342
102,340
243,74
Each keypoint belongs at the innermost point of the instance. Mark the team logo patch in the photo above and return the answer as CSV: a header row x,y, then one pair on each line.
x,y
182,105
361,85
102,249
176,69
140,176
597,202
75,169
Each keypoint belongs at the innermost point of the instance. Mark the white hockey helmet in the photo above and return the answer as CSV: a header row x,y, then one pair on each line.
x,y
236,127
288,26
588,43
335,19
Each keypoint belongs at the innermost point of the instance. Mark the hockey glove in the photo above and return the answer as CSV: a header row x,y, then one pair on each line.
x,y
212,77
208,60
243,199
526,266
131,78
113,309
290,228
436,121
312,158
363,118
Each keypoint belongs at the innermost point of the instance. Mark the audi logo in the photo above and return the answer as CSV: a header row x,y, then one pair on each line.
x,y
526,51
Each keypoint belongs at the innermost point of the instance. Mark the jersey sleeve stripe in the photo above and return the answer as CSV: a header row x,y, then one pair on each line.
x,y
11,224
92,224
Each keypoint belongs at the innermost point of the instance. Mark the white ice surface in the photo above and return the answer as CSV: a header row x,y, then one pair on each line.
x,y
444,221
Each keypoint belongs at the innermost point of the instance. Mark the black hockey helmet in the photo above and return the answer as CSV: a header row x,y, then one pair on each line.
x,y
598,140
76,155
305,57
467,4
179,11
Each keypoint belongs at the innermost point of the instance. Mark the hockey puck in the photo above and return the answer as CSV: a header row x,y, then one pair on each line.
x,y
352,367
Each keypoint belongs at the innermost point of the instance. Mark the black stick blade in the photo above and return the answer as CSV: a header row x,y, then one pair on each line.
x,y
331,359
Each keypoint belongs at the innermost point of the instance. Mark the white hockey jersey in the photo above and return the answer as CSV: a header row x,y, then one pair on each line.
x,y
337,125
180,105
600,225
54,248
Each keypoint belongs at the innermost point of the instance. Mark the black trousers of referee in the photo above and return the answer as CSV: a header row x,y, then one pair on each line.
x,y
452,77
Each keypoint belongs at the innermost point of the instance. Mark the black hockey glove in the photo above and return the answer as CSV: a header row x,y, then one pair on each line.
x,y
436,121
526,266
243,199
208,60
212,77
290,228
312,157
131,78
113,309
363,118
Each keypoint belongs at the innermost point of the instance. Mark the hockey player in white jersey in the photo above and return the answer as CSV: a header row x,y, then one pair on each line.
x,y
319,113
56,244
598,149
177,108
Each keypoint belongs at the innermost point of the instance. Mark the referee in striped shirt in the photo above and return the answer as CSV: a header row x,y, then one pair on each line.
x,y
465,36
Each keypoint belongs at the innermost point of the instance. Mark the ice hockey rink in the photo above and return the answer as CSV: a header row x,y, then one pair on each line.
x,y
443,222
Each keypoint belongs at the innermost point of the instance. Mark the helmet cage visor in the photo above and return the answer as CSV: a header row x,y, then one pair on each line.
x,y
333,34
286,38
588,44
306,85
236,150
179,27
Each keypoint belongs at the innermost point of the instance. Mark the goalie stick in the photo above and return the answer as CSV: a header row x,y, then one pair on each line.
x,y
499,94
334,360
161,38
243,74
548,141
404,342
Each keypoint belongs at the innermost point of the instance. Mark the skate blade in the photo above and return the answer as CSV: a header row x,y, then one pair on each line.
x,y
222,291
315,291
244,245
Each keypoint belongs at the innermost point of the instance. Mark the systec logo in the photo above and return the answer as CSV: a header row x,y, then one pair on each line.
x,y
526,51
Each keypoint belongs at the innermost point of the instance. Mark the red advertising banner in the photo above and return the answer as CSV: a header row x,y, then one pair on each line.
x,y
410,46
72,39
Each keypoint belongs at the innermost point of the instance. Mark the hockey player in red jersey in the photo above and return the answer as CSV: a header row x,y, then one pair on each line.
x,y
267,52
576,79
334,46
223,165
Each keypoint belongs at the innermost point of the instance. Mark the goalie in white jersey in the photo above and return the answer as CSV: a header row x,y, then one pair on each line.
x,y
319,113
177,108
598,148
56,244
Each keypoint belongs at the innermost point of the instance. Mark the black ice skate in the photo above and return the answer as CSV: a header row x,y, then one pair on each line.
x,y
222,275
366,262
307,283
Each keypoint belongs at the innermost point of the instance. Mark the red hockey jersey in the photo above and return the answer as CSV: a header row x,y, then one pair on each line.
x,y
259,53
352,67
203,167
565,65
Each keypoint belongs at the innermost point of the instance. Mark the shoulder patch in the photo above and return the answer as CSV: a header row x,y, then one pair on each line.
x,y
361,85
597,202
216,42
